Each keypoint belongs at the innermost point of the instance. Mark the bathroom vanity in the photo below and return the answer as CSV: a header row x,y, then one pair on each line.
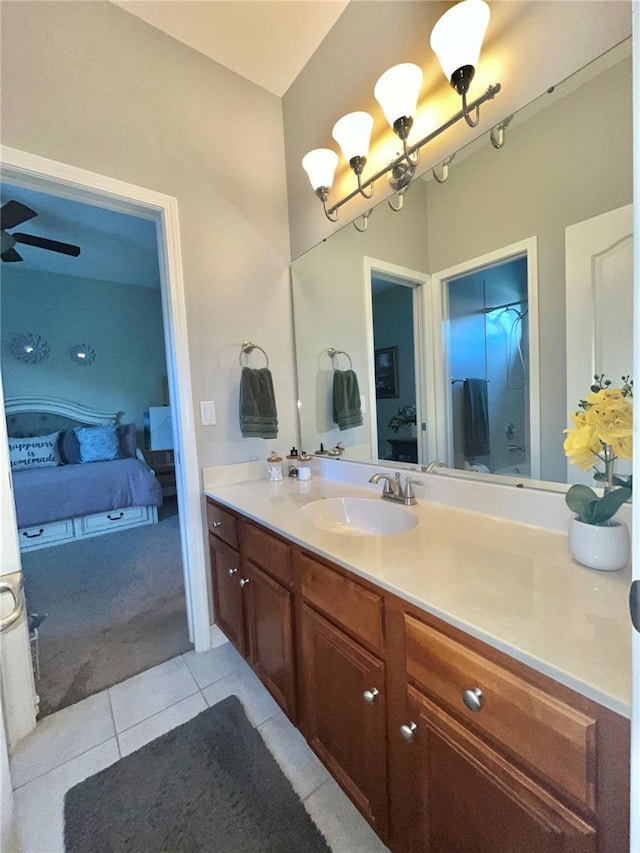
x,y
465,683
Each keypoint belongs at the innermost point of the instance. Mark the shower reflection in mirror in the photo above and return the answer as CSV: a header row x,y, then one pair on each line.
x,y
488,340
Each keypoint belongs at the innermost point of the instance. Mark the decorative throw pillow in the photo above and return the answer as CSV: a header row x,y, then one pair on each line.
x,y
128,441
98,444
69,447
40,451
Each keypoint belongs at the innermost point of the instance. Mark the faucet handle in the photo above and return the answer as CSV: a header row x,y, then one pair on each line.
x,y
409,484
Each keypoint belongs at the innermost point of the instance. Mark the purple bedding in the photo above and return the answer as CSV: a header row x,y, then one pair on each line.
x,y
66,491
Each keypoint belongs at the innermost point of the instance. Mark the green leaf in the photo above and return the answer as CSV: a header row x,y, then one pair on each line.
x,y
609,504
582,500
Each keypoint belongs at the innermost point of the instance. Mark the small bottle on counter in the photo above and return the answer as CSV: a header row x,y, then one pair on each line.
x,y
274,467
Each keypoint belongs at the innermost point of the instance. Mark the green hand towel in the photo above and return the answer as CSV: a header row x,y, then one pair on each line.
x,y
258,415
346,399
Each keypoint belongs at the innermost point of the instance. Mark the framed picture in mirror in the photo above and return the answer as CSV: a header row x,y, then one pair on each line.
x,y
386,370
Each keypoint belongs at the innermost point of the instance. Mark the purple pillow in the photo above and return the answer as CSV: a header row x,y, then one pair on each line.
x,y
69,448
127,439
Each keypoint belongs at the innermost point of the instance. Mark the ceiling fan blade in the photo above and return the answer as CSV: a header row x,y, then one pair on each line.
x,y
10,255
14,213
43,243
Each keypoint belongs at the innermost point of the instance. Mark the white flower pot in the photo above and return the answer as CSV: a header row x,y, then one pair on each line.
x,y
603,547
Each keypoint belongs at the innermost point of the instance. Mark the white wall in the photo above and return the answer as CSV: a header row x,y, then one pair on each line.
x,y
122,323
109,93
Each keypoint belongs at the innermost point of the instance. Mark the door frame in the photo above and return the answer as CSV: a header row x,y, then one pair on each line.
x,y
418,281
40,173
439,313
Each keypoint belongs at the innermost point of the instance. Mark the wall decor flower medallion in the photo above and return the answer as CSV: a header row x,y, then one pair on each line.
x,y
82,354
28,348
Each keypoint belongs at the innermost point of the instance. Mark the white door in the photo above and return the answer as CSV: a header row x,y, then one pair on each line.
x,y
599,270
18,700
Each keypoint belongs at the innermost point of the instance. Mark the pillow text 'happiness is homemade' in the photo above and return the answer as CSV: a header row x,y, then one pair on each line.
x,y
40,451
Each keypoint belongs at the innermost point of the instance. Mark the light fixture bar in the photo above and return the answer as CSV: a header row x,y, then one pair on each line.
x,y
489,95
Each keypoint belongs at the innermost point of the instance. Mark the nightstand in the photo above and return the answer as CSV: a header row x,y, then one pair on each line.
x,y
163,465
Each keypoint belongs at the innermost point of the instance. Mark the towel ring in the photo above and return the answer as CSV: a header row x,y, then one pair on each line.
x,y
333,352
248,347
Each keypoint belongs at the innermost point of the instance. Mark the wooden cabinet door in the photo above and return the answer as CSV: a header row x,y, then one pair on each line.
x,y
345,730
227,592
470,799
270,633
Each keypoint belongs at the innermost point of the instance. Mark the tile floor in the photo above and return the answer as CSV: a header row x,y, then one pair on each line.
x,y
78,741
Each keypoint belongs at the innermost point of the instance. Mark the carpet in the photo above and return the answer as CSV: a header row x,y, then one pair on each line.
x,y
209,785
115,607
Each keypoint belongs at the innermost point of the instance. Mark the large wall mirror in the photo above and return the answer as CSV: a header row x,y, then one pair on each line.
x,y
476,316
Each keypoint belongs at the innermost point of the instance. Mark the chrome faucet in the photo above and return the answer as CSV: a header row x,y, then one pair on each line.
x,y
393,488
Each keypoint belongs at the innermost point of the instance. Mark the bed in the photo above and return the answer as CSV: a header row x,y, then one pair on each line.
x,y
77,472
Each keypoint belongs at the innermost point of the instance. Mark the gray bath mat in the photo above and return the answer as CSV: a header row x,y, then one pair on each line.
x,y
209,785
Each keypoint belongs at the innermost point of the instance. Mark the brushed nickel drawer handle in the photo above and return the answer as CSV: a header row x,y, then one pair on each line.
x,y
115,517
244,582
473,699
409,732
370,696
33,535
215,525
232,572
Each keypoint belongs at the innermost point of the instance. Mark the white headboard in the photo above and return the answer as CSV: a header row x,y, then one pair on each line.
x,y
62,408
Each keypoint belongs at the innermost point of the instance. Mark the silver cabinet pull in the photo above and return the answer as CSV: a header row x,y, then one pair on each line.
x,y
215,525
244,582
408,732
473,699
232,572
371,695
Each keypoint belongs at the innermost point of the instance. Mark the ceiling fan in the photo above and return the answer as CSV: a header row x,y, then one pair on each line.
x,y
15,213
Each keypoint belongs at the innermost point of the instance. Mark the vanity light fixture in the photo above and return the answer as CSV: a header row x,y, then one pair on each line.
x,y
320,165
444,174
353,134
456,39
397,93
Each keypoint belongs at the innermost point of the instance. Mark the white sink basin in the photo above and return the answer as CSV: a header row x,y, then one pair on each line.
x,y
359,516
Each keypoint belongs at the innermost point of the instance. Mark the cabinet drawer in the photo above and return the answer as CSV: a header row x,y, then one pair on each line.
x,y
347,603
268,552
113,518
41,535
222,524
551,738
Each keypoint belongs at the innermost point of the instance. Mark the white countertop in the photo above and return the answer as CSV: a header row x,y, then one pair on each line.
x,y
513,586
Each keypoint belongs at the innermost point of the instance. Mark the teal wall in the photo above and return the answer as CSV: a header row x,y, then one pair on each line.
x,y
122,323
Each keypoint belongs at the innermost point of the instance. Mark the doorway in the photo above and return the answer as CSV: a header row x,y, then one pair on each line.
x,y
31,171
397,362
485,328
100,541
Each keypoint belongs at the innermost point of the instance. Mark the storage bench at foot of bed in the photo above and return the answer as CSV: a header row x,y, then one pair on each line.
x,y
85,526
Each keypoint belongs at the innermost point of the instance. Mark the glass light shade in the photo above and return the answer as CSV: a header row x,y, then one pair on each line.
x,y
353,134
397,91
457,37
320,165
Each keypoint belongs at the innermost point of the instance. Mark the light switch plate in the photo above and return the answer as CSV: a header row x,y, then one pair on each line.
x,y
207,412
363,404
